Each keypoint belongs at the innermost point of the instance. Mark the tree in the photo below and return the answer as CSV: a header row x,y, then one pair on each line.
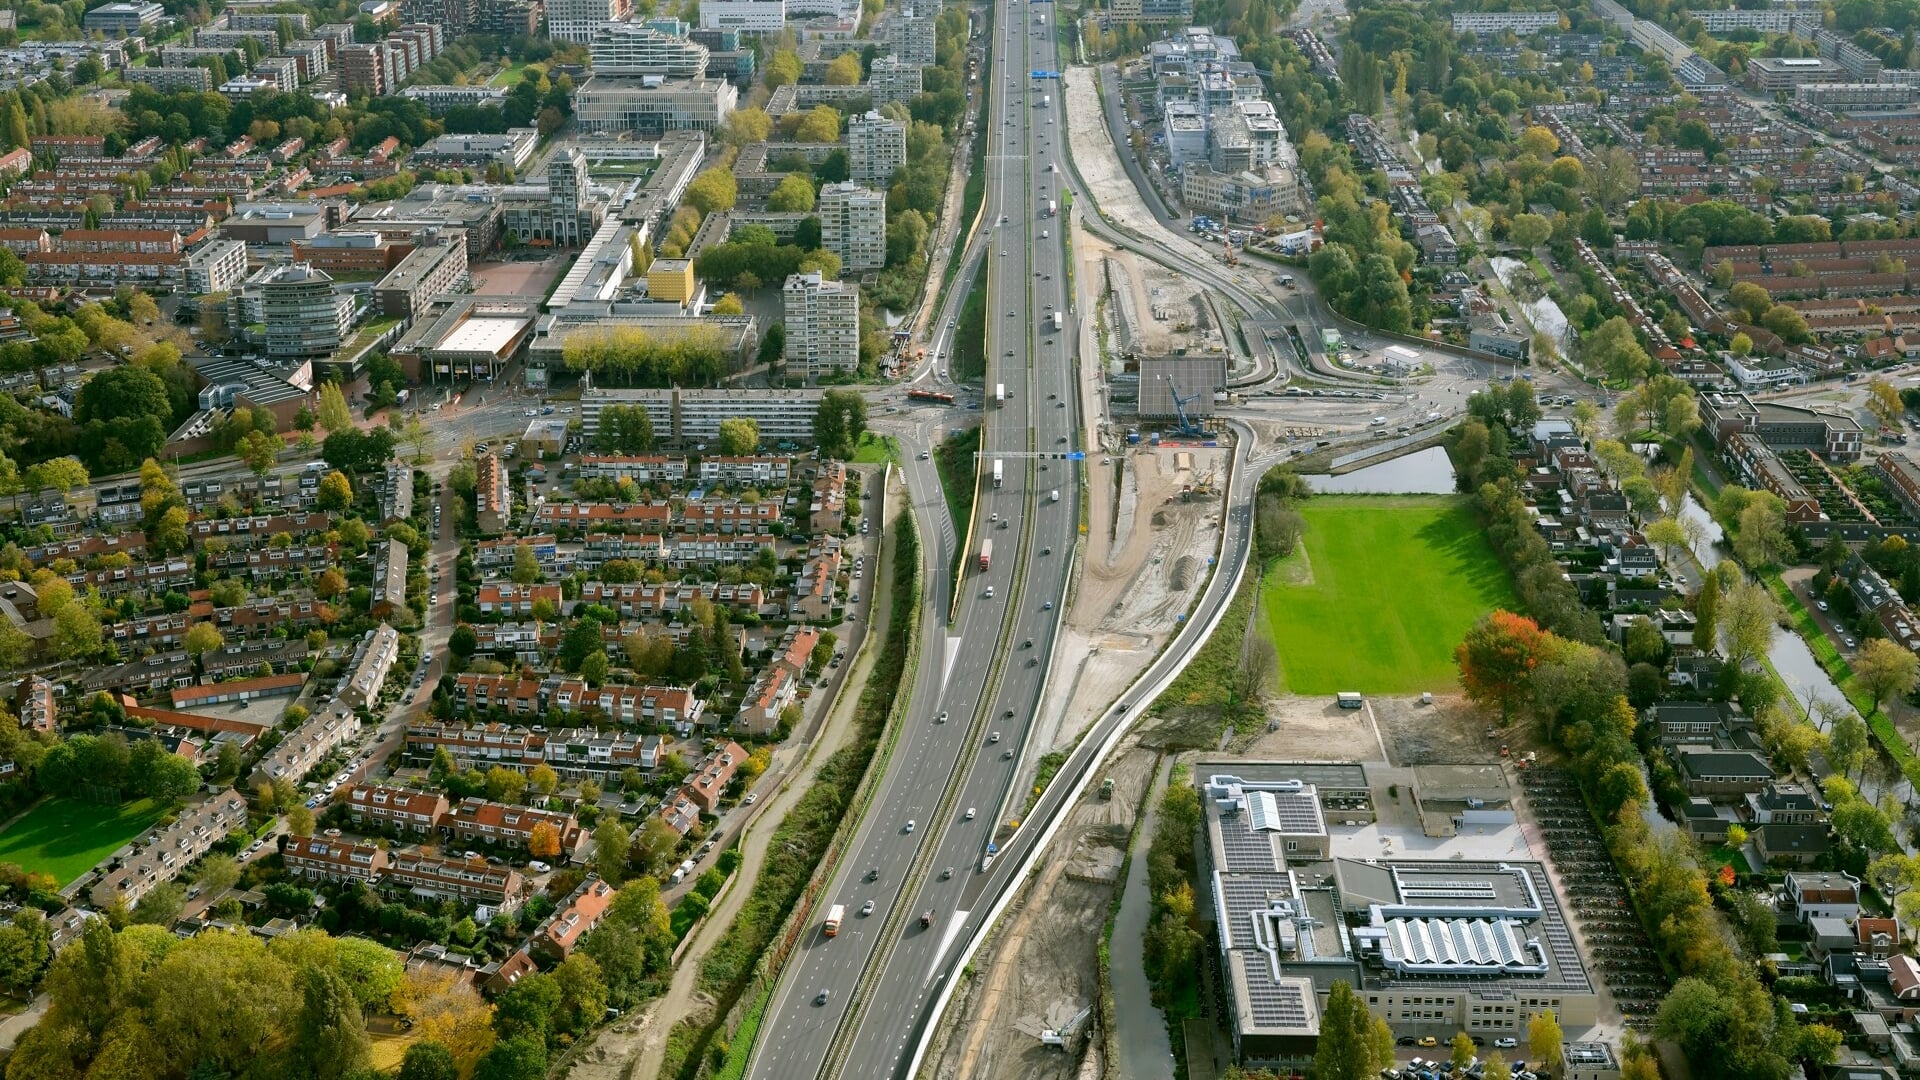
x,y
447,1010
611,843
1886,670
76,633
1847,741
1529,230
218,873
1747,618
329,584
712,191
260,451
330,1034
1545,1041
840,421
1347,1049
299,820
1462,1051
543,779
161,904
795,193
1667,534
1613,349
1751,299
595,667
336,491
730,304
739,436
545,841
583,993
505,785
203,638
1883,401
527,1007
426,1060
1498,656
518,1058
844,70
1761,539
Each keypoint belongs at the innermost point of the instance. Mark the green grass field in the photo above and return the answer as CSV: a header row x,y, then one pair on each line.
x,y
1379,592
65,837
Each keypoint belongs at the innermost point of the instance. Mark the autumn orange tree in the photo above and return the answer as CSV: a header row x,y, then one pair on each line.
x,y
1498,657
545,841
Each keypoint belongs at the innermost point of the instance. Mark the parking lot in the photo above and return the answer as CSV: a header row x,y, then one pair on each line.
x,y
1616,946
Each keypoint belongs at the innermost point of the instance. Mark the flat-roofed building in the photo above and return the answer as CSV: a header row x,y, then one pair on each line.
x,y
426,273
214,267
689,417
823,326
672,280
652,104
123,17
853,225
747,16
1778,74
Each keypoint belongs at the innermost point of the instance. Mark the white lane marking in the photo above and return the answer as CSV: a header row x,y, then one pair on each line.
x,y
955,924
953,653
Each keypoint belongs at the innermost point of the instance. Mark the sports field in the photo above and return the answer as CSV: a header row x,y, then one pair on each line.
x,y
65,837
1378,593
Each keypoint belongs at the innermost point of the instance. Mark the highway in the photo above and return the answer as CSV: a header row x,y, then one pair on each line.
x,y
986,672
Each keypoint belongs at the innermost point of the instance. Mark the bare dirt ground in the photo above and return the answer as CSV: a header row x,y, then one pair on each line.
x,y
1040,968
1397,732
1143,566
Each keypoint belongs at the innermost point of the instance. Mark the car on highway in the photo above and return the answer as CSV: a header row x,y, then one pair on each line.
x,y
821,998
942,718
911,825
866,909
1048,606
993,737
970,813
946,874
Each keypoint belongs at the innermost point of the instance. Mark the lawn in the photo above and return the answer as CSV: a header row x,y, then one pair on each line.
x,y
876,449
510,75
1379,592
66,837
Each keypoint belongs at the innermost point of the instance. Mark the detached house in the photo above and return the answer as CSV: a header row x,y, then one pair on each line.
x,y
1821,894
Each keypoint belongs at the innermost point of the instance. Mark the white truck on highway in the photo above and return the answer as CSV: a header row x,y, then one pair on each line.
x,y
997,474
1058,322
1051,208
999,395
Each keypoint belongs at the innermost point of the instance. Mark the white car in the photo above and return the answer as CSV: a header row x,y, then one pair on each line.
x,y
910,824
752,797
970,814
866,909
538,867
1506,1044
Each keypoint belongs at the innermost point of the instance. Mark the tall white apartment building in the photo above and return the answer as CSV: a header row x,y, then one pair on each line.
x,y
746,16
892,79
876,146
910,35
625,48
853,225
215,267
823,326
577,20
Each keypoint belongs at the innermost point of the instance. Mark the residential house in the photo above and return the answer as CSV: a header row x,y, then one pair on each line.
x,y
395,809
161,855
471,881
477,820
1725,773
1876,938
1812,894
328,858
555,939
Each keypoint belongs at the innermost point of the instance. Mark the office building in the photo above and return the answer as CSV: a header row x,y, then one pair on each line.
x,y
1433,948
893,79
672,280
630,49
746,16
1781,74
853,225
876,147
512,150
426,273
1501,22
569,215
123,18
823,326
214,267
577,21
653,105
304,316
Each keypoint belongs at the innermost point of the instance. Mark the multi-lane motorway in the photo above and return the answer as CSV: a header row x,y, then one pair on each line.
x,y
936,808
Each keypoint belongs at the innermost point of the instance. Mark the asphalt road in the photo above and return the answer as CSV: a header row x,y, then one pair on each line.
x,y
978,748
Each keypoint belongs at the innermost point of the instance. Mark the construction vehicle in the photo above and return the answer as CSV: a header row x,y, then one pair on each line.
x,y
1187,427
1106,789
1068,1032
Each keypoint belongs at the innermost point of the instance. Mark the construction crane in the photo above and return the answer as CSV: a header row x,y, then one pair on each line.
x,y
1069,1032
1187,427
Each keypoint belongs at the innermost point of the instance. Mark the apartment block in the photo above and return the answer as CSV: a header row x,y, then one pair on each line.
x,y
630,49
894,79
305,318
823,326
746,16
1501,22
577,21
910,34
493,497
426,273
876,147
477,820
171,80
215,267
853,225
168,851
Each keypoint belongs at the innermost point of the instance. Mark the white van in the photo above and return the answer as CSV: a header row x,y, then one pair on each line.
x,y
1378,421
